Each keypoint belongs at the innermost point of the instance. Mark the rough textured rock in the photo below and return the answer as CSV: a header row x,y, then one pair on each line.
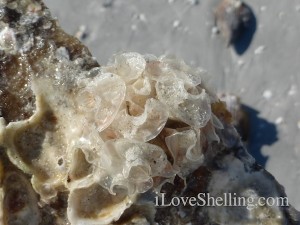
x,y
84,144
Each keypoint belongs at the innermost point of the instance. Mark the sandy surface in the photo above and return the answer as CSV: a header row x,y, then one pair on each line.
x,y
266,75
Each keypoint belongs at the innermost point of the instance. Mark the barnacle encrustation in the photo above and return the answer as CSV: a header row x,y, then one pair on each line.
x,y
20,202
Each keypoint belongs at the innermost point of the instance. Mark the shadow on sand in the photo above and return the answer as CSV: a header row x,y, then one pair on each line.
x,y
246,32
261,132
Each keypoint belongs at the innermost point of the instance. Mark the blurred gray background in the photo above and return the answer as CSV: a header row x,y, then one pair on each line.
x,y
265,74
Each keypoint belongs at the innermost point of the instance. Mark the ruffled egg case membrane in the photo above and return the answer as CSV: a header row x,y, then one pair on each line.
x,y
101,139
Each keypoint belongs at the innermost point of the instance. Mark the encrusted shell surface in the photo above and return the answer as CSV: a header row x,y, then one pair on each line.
x,y
95,205
20,202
